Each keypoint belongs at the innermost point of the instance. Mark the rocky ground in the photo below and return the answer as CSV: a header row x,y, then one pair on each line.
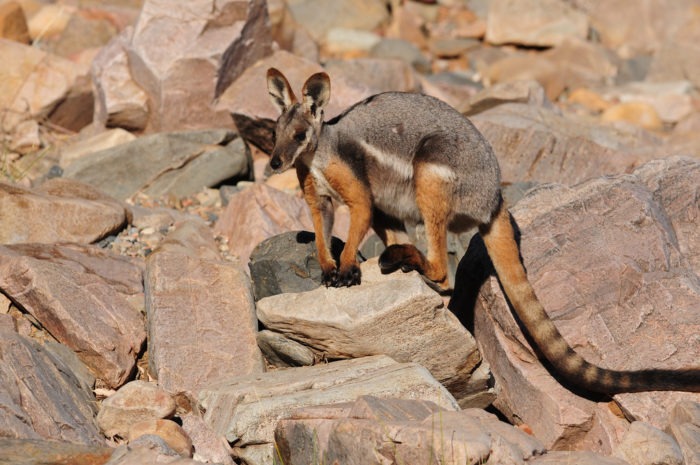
x,y
159,292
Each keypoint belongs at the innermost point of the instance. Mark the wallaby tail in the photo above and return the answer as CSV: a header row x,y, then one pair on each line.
x,y
502,248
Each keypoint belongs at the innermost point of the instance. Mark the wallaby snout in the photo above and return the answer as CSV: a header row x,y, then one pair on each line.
x,y
275,163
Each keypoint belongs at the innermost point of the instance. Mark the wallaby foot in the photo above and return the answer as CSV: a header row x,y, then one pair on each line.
x,y
405,257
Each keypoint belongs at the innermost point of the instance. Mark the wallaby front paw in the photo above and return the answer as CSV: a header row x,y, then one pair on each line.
x,y
330,277
349,277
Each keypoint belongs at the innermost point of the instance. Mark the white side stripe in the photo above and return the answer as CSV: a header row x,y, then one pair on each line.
x,y
441,171
389,160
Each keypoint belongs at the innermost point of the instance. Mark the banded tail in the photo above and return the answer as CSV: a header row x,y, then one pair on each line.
x,y
503,250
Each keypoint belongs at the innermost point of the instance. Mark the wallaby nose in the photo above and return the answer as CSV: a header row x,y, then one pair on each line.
x,y
275,163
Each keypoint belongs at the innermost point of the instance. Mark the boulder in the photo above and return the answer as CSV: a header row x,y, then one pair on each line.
x,y
671,100
260,212
94,143
34,82
209,447
632,28
684,426
59,210
191,291
287,262
178,164
377,431
135,402
534,22
41,399
644,444
318,17
620,305
539,144
396,315
210,44
168,430
83,296
280,351
246,410
147,450
119,100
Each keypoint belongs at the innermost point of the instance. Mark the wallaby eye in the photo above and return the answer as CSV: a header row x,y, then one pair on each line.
x,y
300,136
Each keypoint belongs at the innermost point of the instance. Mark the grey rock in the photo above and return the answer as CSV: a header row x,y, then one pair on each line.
x,y
521,91
178,163
281,351
40,397
375,74
402,50
286,263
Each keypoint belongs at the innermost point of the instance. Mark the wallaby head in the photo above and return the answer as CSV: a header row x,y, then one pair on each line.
x,y
299,125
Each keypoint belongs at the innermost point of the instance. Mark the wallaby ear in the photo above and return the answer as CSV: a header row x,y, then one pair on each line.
x,y
280,91
316,92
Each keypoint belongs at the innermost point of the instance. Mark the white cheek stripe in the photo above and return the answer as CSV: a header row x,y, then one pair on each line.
x,y
389,160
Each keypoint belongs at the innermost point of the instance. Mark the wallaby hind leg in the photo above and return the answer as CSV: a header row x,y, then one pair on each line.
x,y
390,230
433,199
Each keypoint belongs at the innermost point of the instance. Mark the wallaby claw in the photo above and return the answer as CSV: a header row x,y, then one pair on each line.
x,y
350,277
330,278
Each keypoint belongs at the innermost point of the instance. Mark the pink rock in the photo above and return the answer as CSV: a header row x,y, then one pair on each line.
x,y
81,296
200,310
613,261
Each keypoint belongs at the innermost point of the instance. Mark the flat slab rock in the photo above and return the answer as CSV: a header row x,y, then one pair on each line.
x,y
397,315
615,263
85,297
59,210
246,409
179,163
378,431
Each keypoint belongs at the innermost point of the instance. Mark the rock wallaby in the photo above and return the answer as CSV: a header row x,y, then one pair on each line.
x,y
397,158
